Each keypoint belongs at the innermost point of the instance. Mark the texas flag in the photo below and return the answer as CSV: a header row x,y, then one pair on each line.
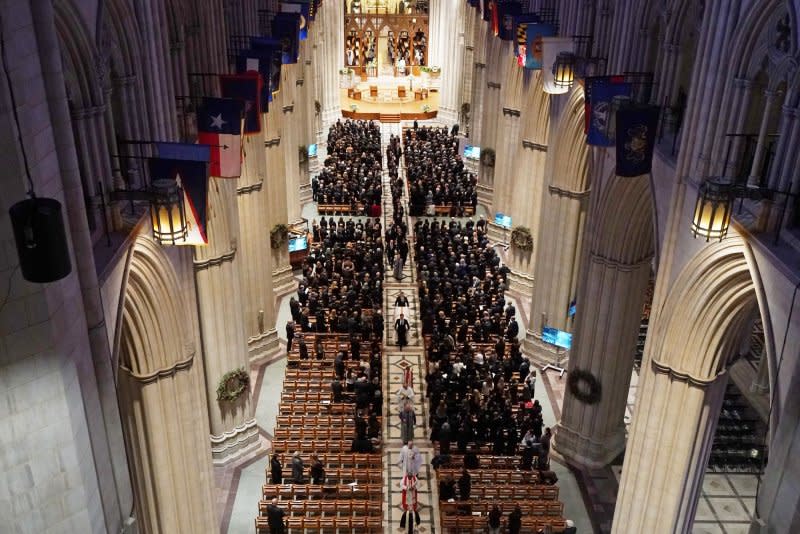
x,y
219,125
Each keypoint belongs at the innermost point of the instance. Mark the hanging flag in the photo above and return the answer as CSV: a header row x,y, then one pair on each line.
x,y
257,62
521,22
588,83
273,54
603,91
506,11
636,138
301,7
551,48
286,28
219,125
192,176
534,34
247,88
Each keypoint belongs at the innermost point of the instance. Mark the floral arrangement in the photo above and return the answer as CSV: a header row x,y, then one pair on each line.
x,y
346,71
232,385
487,157
353,108
522,239
278,235
426,108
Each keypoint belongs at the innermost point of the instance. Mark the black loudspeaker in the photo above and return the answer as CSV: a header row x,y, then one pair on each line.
x,y
41,239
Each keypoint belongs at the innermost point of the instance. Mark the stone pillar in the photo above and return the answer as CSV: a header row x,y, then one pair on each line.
x,y
446,51
557,259
331,29
667,451
606,332
758,156
173,486
760,383
290,137
276,211
222,326
256,267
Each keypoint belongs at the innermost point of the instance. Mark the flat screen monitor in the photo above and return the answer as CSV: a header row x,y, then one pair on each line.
x,y
472,152
503,220
298,243
312,151
557,337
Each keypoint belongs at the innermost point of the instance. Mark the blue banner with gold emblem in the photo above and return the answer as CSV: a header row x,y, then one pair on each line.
x,y
636,138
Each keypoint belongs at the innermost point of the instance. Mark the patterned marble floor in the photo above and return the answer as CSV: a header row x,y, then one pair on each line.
x,y
396,362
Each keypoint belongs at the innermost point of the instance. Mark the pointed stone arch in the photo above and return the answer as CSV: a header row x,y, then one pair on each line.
x,y
78,55
162,401
682,384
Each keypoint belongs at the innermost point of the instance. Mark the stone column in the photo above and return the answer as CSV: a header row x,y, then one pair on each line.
x,y
610,299
667,451
276,211
331,29
508,144
760,383
447,51
174,486
557,255
256,266
222,326
290,137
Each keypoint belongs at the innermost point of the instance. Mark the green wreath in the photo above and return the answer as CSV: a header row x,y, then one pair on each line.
x,y
584,386
233,384
488,157
522,239
278,235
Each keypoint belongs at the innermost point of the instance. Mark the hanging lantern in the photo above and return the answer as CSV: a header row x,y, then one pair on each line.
x,y
41,240
712,212
564,69
558,64
166,212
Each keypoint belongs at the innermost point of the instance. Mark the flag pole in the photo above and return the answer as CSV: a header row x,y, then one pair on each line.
x,y
148,142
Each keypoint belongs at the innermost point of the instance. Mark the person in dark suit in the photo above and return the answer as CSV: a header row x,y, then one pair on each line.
x,y
401,326
275,516
494,519
317,470
336,390
465,485
515,521
303,348
297,468
276,470
289,336
571,528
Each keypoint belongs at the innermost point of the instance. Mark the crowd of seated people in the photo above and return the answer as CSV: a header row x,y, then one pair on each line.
x,y
350,181
436,173
340,277
479,384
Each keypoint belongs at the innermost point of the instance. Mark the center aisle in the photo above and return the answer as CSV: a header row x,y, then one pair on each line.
x,y
396,363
